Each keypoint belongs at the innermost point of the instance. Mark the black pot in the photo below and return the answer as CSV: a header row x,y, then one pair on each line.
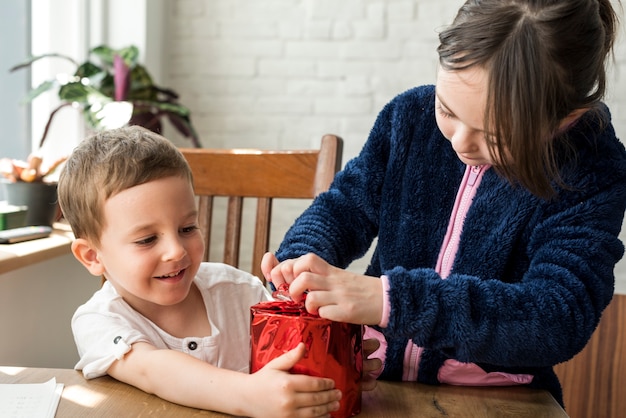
x,y
39,197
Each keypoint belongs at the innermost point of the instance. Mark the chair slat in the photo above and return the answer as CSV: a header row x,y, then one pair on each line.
x,y
233,230
205,216
261,174
261,234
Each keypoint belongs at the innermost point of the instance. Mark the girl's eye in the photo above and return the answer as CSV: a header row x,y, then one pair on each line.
x,y
443,113
189,229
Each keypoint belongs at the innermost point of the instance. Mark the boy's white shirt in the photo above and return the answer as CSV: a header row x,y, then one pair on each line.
x,y
105,326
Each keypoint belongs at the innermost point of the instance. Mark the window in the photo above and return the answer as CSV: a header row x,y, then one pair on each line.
x,y
68,27
14,47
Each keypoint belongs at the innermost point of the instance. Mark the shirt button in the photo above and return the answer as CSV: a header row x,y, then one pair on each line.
x,y
117,339
192,345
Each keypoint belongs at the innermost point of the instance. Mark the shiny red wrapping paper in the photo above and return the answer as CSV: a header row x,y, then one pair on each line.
x,y
333,349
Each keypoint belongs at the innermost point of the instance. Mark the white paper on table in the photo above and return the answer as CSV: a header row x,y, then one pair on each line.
x,y
30,400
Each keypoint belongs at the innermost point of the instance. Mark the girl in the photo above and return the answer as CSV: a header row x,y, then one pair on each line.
x,y
496,198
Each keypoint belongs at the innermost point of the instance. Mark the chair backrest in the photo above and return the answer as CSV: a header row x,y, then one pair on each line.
x,y
594,380
262,175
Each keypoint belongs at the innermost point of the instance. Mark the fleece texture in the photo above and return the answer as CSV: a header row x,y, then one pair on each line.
x,y
531,277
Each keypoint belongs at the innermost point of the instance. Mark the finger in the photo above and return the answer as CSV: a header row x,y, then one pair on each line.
x,y
268,262
313,402
317,403
372,365
370,345
286,361
310,384
284,270
334,313
310,263
321,411
368,383
323,303
310,282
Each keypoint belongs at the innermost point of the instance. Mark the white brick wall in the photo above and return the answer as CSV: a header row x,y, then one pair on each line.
x,y
280,73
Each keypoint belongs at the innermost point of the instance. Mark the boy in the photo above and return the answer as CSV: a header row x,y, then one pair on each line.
x,y
164,321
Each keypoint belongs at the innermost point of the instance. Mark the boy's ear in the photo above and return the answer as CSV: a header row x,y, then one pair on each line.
x,y
87,254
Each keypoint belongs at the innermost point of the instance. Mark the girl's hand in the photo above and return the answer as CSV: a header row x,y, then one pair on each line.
x,y
272,275
333,293
276,393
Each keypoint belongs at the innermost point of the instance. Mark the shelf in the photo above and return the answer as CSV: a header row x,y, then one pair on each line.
x,y
21,254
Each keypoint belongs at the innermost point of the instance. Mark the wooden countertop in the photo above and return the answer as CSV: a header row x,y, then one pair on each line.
x,y
21,254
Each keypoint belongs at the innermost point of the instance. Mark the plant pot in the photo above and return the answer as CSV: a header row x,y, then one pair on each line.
x,y
39,197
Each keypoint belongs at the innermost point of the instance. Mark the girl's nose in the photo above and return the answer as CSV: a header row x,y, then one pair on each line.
x,y
464,141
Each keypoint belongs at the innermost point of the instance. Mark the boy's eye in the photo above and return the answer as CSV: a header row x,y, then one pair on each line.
x,y
146,241
189,229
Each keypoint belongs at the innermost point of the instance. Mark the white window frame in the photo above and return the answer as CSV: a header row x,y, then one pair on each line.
x,y
72,27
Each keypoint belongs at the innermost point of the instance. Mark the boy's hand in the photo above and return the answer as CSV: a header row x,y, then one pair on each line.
x,y
276,393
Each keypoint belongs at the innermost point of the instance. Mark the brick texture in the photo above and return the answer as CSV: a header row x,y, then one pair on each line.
x,y
280,73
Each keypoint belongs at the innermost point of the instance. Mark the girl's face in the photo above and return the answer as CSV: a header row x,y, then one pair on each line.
x,y
460,102
151,247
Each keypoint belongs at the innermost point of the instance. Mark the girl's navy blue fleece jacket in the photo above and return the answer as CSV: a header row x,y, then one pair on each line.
x,y
531,277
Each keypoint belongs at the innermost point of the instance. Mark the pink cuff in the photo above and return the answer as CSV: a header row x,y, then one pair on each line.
x,y
384,320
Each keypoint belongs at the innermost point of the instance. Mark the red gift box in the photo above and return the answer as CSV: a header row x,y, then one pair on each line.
x,y
333,349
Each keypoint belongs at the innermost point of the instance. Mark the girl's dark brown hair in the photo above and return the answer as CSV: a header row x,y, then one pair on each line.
x,y
545,59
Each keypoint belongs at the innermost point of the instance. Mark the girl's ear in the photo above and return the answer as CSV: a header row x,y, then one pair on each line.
x,y
87,254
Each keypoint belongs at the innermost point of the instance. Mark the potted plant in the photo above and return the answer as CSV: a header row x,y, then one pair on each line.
x,y
111,91
114,92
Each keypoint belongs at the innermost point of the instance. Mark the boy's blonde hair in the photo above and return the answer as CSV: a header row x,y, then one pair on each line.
x,y
108,163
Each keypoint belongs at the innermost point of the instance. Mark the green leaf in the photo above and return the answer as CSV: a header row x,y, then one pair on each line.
x,y
104,53
42,88
184,126
165,107
88,69
105,85
76,92
130,55
140,78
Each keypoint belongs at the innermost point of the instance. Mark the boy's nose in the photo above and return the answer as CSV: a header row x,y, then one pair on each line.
x,y
174,250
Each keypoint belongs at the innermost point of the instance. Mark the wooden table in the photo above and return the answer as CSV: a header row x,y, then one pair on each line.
x,y
106,397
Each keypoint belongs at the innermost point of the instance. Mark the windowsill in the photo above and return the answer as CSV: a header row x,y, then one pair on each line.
x,y
22,254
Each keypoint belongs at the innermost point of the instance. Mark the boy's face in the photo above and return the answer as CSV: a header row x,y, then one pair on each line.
x,y
151,247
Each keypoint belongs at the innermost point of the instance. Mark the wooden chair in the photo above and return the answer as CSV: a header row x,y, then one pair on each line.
x,y
264,176
594,381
